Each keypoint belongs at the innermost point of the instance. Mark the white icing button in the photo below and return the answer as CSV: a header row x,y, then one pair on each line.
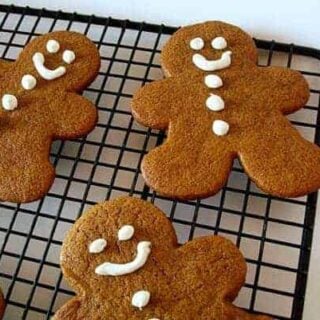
x,y
197,43
213,81
68,56
220,127
9,102
219,43
125,233
140,299
28,82
115,269
53,46
215,103
44,72
97,245
204,64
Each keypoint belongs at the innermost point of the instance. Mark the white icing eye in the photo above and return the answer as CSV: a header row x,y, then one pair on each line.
x,y
213,81
9,102
28,82
53,46
97,245
68,56
220,127
219,43
140,299
197,43
126,232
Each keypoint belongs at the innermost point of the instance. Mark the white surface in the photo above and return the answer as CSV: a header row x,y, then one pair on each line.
x,y
290,21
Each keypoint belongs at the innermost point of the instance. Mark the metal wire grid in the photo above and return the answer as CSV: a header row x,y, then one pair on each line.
x,y
274,234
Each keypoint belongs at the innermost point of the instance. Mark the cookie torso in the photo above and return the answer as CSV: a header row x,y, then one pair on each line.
x,y
196,281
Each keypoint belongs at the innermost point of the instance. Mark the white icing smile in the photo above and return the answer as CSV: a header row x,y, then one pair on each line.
x,y
211,65
115,269
48,74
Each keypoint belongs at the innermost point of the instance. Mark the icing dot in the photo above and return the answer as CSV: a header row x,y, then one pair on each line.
x,y
9,102
53,46
125,233
215,103
219,43
197,43
97,245
28,82
140,299
68,56
213,81
220,127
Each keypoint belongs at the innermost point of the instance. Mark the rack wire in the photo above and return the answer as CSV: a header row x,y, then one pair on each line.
x,y
274,234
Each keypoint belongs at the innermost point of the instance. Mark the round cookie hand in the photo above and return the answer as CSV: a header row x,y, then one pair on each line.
x,y
39,102
217,104
198,280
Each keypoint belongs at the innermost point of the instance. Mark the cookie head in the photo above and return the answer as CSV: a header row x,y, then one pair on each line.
x,y
119,243
59,60
207,47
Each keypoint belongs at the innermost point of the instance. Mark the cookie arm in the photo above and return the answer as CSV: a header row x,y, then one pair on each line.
x,y
74,116
283,88
151,105
280,161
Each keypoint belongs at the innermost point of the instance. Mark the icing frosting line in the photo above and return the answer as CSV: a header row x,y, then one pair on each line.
x,y
38,62
197,43
28,82
204,64
115,269
220,127
213,81
219,43
53,46
140,299
215,103
126,232
68,56
9,102
97,245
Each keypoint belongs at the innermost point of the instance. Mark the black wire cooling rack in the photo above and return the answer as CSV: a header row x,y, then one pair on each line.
x,y
274,234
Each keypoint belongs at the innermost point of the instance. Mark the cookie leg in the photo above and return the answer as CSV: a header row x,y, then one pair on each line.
x,y
26,183
280,161
186,171
25,171
69,311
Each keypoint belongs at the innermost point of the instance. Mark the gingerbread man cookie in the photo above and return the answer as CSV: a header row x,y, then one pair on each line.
x,y
217,105
40,102
123,260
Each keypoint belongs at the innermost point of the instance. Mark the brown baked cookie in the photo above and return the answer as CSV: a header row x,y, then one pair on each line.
x,y
2,305
217,105
123,260
40,102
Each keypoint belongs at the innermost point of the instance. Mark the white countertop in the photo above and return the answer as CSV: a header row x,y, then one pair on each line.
x,y
288,21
